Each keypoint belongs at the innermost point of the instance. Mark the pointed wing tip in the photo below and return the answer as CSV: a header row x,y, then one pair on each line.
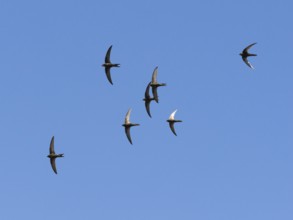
x,y
149,113
172,115
174,133
129,139
249,64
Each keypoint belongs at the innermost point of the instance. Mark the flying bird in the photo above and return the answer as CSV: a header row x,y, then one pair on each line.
x,y
108,65
127,124
53,156
246,54
172,121
155,85
147,99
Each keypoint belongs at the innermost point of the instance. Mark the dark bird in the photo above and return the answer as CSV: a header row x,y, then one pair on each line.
x,y
53,156
127,124
147,99
246,54
108,65
172,121
155,85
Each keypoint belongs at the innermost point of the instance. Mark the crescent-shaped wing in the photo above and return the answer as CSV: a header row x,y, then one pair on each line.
x,y
127,132
155,93
108,74
53,164
147,91
171,124
147,107
154,76
107,57
248,47
172,116
51,150
127,117
247,63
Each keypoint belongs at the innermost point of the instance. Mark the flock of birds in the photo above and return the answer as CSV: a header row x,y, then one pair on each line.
x,y
147,99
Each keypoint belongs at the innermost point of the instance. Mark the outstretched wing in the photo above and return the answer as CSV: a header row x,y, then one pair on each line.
x,y
147,91
147,107
127,117
107,58
108,74
127,132
171,124
172,116
51,150
247,63
154,77
53,164
155,93
248,47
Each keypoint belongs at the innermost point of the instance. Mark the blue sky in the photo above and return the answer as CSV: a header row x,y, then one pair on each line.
x,y
232,158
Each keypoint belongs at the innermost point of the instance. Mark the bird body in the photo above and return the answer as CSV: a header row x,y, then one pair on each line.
x,y
55,155
127,125
155,85
172,121
246,54
52,155
108,65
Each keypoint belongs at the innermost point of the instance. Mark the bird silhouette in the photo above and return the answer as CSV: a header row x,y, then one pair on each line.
x,y
155,85
147,99
53,156
127,124
172,121
108,65
246,54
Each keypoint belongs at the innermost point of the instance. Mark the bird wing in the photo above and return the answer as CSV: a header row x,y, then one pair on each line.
x,y
107,57
154,76
247,63
155,93
53,164
171,124
248,47
51,150
147,107
108,74
127,132
172,116
127,117
147,91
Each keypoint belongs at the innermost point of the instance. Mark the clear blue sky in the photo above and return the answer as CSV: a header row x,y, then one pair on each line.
x,y
232,158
